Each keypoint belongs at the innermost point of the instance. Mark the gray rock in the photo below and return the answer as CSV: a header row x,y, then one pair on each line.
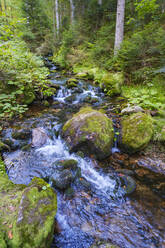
x,y
62,179
39,137
131,110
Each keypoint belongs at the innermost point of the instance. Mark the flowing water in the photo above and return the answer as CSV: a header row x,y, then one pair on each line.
x,y
98,208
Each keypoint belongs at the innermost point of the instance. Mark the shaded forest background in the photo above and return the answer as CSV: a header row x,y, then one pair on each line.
x,y
80,34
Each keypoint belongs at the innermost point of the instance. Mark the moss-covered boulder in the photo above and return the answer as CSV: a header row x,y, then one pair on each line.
x,y
89,131
112,82
26,213
137,131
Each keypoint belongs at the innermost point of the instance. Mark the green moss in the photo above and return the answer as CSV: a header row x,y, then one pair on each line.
x,y
102,128
26,213
72,80
92,126
112,83
137,131
71,85
70,163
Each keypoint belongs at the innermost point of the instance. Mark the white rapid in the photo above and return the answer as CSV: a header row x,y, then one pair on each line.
x,y
57,150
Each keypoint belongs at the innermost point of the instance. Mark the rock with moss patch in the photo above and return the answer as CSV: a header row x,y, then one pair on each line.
x,y
62,179
21,134
137,131
67,163
4,147
71,85
111,83
89,131
82,75
26,213
72,80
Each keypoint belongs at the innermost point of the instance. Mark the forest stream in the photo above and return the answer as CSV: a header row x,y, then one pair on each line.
x,y
94,210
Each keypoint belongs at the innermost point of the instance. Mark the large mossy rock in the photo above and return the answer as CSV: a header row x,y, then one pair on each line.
x,y
137,131
89,131
112,82
26,213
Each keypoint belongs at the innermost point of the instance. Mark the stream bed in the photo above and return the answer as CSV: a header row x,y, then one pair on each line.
x,y
94,209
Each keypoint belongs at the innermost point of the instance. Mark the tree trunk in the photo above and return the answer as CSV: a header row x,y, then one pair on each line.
x,y
100,2
119,34
72,7
54,19
57,17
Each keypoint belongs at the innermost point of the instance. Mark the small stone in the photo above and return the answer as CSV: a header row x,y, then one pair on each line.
x,y
131,110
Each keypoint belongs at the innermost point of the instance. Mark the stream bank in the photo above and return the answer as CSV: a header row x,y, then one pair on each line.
x,y
93,209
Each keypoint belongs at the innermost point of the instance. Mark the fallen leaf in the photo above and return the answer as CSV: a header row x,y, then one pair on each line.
x,y
10,235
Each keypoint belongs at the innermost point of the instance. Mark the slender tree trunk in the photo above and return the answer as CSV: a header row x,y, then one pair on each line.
x,y
72,7
0,6
54,19
119,34
57,17
100,2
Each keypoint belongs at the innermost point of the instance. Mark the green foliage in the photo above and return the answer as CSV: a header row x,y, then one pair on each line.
x,y
150,96
22,73
145,7
37,20
68,39
141,54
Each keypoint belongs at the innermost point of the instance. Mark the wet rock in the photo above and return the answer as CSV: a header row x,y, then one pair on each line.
x,y
72,80
22,134
101,244
128,183
94,100
89,131
26,147
71,85
67,164
87,99
125,172
39,137
57,129
137,131
69,193
62,179
82,181
27,213
78,90
4,147
70,99
131,110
